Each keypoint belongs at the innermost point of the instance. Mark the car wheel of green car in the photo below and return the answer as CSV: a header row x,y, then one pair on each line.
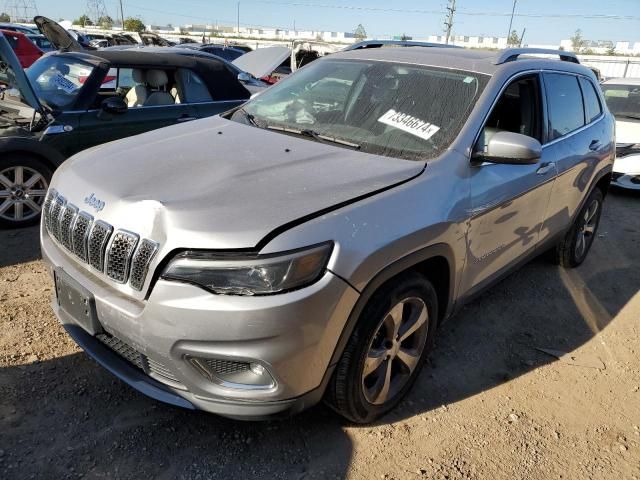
x,y
24,180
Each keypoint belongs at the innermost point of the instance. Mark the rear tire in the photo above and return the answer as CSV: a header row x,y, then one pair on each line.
x,y
575,246
387,349
24,180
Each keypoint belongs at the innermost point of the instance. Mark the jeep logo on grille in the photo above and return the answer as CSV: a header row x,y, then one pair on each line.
x,y
94,202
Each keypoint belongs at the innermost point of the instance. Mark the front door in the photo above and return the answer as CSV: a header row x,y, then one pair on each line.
x,y
508,202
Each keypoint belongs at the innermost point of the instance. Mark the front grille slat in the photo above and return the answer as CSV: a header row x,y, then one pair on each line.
x,y
67,218
119,255
80,235
97,244
140,263
122,255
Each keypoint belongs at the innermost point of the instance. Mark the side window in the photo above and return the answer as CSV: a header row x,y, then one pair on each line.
x,y
591,100
191,88
13,41
566,110
518,110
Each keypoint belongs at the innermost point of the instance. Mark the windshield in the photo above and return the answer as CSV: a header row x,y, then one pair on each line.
x,y
623,100
58,80
397,110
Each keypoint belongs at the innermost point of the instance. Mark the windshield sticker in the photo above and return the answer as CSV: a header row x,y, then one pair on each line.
x,y
63,83
409,124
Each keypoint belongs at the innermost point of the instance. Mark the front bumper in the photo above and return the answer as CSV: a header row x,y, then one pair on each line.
x,y
292,335
626,172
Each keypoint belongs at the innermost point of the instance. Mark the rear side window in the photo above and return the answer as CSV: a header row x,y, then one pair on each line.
x,y
566,110
591,100
13,41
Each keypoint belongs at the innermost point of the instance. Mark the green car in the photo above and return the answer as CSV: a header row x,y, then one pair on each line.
x,y
69,101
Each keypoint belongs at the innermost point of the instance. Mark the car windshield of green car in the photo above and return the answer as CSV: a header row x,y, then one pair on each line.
x,y
384,108
58,80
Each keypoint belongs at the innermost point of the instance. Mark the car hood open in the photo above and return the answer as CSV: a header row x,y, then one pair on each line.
x,y
15,77
218,184
58,36
263,61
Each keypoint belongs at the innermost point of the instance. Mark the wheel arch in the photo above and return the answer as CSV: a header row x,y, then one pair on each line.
x,y
435,262
16,145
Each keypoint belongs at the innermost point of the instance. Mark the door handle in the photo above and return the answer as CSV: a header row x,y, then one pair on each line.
x,y
546,168
595,145
186,119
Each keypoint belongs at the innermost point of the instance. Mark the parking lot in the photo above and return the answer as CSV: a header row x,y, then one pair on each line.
x,y
494,401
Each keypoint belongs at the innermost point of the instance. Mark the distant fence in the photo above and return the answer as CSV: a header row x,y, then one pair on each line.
x,y
613,67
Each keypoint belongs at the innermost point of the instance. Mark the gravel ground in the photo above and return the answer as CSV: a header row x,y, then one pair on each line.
x,y
491,403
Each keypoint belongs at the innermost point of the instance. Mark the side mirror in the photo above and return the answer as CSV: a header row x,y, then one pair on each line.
x,y
244,77
512,149
115,105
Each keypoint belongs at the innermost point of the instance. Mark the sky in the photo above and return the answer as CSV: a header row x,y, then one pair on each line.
x,y
546,21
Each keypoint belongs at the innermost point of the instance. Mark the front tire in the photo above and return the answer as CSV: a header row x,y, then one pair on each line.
x,y
575,246
387,349
24,181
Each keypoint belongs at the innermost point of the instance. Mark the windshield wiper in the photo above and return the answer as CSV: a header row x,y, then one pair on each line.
x,y
634,116
250,117
315,135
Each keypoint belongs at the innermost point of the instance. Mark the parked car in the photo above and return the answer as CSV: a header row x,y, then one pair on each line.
x,y
23,48
222,51
42,42
18,28
308,243
69,101
272,64
394,43
623,99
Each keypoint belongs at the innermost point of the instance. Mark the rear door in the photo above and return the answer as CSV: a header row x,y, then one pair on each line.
x,y
508,202
578,139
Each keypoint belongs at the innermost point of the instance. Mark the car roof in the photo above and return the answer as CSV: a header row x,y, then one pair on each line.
x,y
472,60
12,32
622,81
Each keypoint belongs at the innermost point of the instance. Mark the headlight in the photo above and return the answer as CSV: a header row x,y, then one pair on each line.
x,y
257,275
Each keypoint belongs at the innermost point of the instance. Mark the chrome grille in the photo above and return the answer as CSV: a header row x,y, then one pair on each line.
x,y
119,255
67,216
151,367
140,263
80,235
56,207
97,244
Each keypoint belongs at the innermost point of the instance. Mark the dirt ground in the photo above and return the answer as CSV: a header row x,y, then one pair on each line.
x,y
491,404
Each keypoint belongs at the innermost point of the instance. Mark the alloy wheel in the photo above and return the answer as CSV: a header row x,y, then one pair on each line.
x,y
395,350
586,233
22,193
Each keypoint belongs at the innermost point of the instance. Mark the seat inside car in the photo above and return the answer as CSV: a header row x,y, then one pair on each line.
x,y
138,94
157,81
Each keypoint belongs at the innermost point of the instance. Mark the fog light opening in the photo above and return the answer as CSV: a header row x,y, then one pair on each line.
x,y
233,374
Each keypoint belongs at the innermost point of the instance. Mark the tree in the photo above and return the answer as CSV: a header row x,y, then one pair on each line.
x,y
514,39
360,32
578,43
4,17
134,25
84,20
106,22
611,51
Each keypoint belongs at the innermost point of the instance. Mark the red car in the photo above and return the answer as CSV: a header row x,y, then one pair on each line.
x,y
26,51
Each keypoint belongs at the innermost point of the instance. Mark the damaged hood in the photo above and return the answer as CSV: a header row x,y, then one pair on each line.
x,y
218,184
263,61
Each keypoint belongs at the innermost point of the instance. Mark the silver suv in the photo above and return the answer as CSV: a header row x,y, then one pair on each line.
x,y
308,244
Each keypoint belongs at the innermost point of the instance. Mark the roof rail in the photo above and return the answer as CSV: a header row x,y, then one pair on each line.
x,y
512,54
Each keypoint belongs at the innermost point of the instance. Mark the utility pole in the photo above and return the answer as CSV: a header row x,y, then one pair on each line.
x,y
122,15
513,11
524,30
449,22
238,18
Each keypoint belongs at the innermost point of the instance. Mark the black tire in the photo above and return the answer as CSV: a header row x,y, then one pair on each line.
x,y
348,390
31,165
575,246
